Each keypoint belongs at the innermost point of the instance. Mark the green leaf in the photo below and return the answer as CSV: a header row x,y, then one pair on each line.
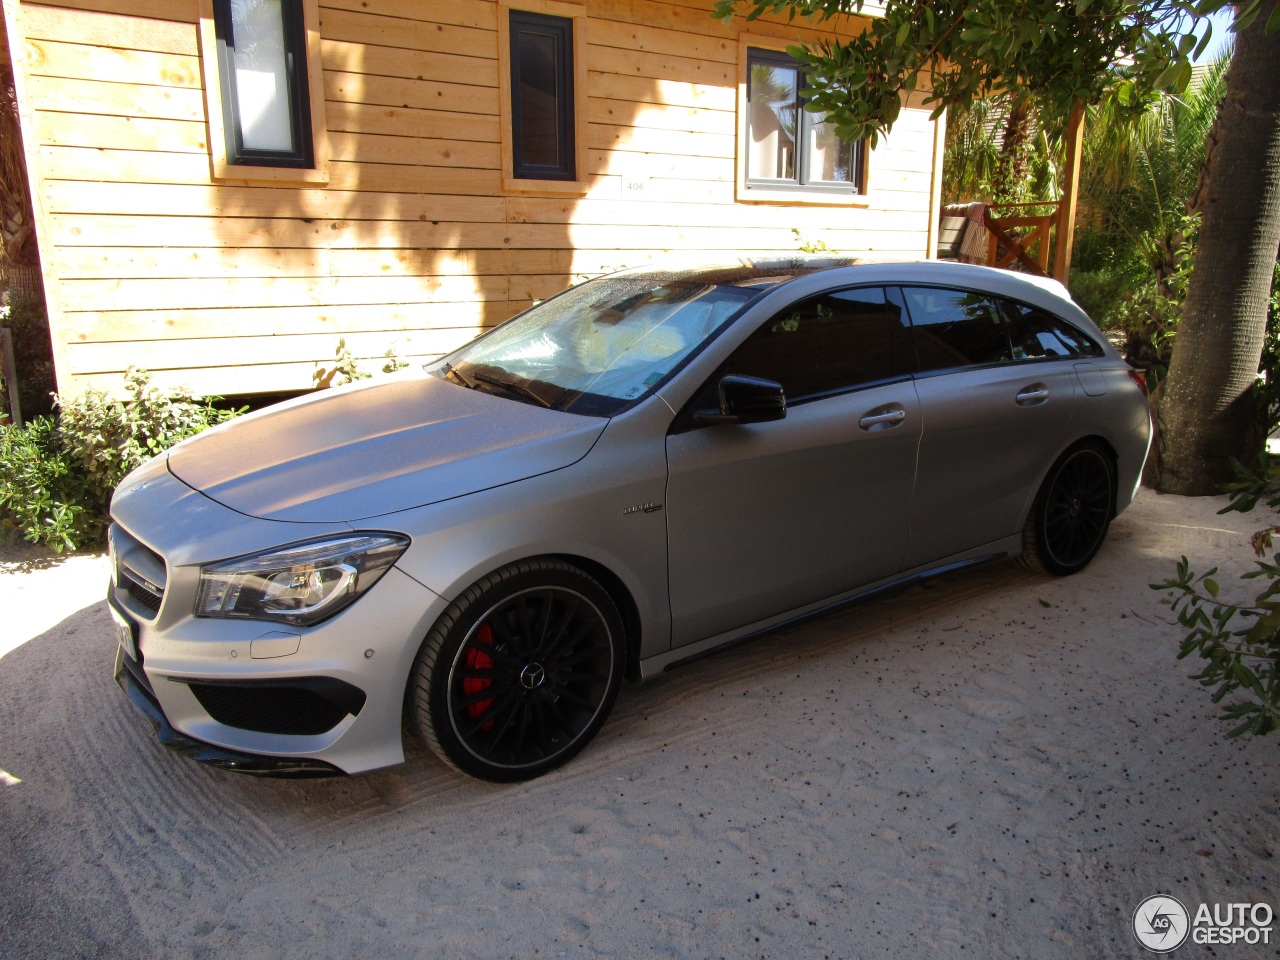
x,y
1273,21
904,31
1265,628
1184,76
1244,676
1204,40
1212,587
1166,78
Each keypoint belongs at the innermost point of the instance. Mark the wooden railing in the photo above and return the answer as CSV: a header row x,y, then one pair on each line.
x,y
1013,235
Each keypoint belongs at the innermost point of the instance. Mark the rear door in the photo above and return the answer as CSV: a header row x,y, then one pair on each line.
x,y
767,517
998,406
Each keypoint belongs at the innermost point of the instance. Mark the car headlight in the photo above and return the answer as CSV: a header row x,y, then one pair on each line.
x,y
300,584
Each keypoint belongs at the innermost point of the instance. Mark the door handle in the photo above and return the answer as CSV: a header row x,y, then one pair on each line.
x,y
1032,395
883,421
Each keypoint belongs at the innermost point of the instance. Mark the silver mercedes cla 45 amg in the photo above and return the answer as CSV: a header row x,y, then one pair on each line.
x,y
633,473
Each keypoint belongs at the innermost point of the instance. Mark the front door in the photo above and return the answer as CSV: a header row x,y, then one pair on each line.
x,y
768,517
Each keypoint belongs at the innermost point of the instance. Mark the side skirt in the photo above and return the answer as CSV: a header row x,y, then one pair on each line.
x,y
652,666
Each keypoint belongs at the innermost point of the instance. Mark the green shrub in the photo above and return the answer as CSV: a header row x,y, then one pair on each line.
x,y
346,368
1109,282
57,474
1239,641
41,496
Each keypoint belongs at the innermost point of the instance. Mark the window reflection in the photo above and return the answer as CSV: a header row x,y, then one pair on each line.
x,y
772,99
262,85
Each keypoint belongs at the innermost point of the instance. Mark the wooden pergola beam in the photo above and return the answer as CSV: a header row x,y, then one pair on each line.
x,y
1070,194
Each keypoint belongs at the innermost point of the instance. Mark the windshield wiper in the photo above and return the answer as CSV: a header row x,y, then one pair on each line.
x,y
513,386
451,371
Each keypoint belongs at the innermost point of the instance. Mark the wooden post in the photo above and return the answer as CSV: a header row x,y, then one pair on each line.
x,y
9,368
935,185
1070,193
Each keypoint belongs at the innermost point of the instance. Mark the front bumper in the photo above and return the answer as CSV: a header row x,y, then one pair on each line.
x,y
330,694
133,681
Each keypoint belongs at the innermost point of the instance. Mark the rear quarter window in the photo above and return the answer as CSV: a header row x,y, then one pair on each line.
x,y
1036,333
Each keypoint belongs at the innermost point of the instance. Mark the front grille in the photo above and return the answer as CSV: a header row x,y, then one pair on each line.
x,y
303,707
139,571
148,598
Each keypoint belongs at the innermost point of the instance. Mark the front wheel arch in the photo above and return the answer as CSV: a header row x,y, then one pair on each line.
x,y
520,672
622,598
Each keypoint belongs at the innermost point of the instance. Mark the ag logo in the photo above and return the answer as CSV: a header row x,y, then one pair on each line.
x,y
1161,924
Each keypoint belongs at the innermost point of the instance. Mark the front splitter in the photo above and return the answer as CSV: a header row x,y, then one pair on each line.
x,y
137,688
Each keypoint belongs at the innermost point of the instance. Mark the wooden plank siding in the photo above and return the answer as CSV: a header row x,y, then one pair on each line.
x,y
235,287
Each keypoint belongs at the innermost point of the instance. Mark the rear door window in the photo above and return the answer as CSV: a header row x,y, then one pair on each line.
x,y
956,328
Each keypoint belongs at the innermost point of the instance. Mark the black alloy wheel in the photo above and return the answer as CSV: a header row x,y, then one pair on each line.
x,y
1072,512
521,671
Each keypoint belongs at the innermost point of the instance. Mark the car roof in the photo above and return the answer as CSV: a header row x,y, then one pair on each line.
x,y
766,272
763,272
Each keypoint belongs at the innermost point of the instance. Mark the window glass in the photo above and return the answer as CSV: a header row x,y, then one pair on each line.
x,y
262,85
599,346
829,343
830,159
542,96
262,65
786,144
772,102
953,328
1036,333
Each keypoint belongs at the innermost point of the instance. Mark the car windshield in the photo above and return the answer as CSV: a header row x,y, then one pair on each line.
x,y
597,348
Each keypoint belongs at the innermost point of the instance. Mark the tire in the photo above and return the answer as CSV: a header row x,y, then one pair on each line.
x,y
1071,514
520,672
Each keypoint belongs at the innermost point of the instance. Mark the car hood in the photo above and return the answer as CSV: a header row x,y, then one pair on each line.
x,y
355,453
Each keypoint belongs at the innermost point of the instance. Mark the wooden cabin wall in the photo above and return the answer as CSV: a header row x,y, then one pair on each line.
x,y
232,288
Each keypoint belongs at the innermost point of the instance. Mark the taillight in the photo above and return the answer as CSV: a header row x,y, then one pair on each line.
x,y
1140,378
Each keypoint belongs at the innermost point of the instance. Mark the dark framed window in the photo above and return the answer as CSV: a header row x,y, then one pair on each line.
x,y
956,328
788,147
262,69
828,344
1037,334
542,119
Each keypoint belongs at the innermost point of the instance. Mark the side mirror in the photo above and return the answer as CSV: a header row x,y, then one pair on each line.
x,y
745,400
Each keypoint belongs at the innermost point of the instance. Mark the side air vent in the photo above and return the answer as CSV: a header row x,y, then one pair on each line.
x,y
300,707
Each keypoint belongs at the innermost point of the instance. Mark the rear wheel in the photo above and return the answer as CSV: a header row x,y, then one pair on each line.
x,y
520,672
1072,512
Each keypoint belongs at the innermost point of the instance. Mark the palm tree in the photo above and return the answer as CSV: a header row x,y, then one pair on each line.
x,y
1208,412
1143,174
1138,188
995,151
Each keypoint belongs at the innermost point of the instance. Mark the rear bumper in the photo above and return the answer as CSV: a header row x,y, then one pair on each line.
x,y
133,681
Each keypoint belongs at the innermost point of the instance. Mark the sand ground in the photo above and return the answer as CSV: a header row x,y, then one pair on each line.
x,y
994,764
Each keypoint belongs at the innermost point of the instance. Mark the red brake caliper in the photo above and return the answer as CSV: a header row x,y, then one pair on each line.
x,y
478,660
